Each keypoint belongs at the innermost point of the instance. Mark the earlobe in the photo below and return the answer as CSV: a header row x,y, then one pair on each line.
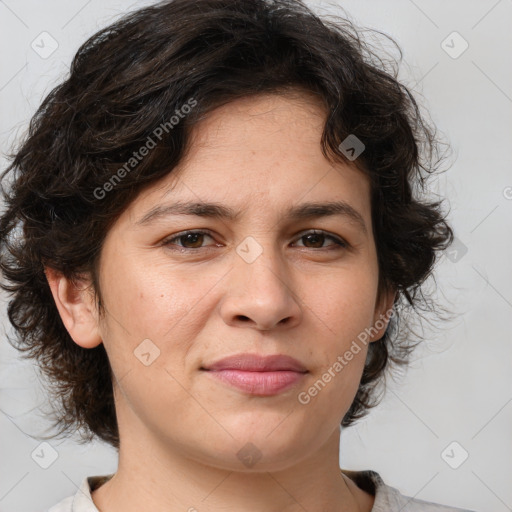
x,y
76,309
382,316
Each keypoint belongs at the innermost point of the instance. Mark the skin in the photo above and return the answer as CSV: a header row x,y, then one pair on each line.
x,y
181,429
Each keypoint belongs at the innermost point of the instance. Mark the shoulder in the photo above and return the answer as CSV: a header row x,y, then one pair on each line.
x,y
82,500
390,499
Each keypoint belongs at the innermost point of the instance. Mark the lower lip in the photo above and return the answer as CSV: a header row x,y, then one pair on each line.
x,y
259,383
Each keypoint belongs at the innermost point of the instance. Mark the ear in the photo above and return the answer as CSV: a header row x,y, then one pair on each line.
x,y
76,308
382,315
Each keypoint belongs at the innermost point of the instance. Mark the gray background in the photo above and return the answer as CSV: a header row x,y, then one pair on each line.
x,y
458,388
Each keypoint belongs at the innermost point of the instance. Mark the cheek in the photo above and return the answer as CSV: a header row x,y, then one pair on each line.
x,y
342,308
343,303
154,316
157,302
151,298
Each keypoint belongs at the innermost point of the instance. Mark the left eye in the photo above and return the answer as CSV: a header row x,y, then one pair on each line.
x,y
195,239
317,238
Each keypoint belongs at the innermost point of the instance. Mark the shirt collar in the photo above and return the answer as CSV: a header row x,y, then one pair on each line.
x,y
82,501
369,481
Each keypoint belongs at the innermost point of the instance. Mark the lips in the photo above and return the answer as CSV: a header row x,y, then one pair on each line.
x,y
258,375
257,363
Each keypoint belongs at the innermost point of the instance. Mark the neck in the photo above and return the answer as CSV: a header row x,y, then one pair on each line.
x,y
150,478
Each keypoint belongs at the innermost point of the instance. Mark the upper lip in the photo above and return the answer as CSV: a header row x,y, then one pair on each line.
x,y
257,363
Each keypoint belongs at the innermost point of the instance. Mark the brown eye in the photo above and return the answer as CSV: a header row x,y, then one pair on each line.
x,y
194,239
187,240
316,240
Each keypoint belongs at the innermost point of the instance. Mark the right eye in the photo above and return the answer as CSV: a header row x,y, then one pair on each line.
x,y
189,240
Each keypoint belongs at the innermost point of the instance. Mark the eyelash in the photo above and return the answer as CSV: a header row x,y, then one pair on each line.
x,y
342,244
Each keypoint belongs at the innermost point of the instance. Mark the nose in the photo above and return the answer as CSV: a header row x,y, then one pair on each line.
x,y
261,294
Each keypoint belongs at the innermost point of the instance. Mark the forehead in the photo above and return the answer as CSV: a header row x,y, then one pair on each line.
x,y
262,122
264,152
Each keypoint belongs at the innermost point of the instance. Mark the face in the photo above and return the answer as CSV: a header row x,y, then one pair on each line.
x,y
272,278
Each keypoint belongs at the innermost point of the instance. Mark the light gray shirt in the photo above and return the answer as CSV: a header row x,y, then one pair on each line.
x,y
387,499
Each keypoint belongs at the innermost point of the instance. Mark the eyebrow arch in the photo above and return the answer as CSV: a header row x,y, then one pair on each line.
x,y
218,211
211,210
316,210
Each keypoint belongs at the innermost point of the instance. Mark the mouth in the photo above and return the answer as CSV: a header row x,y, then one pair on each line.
x,y
258,375
258,383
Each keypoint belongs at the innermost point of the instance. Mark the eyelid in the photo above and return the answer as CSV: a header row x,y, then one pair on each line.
x,y
327,234
341,242
167,240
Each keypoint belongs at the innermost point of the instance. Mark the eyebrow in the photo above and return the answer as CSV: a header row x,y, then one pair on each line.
x,y
218,211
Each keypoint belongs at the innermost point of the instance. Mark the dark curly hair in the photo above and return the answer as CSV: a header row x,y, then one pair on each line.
x,y
134,76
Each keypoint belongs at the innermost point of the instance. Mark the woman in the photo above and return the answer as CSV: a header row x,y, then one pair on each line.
x,y
210,228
